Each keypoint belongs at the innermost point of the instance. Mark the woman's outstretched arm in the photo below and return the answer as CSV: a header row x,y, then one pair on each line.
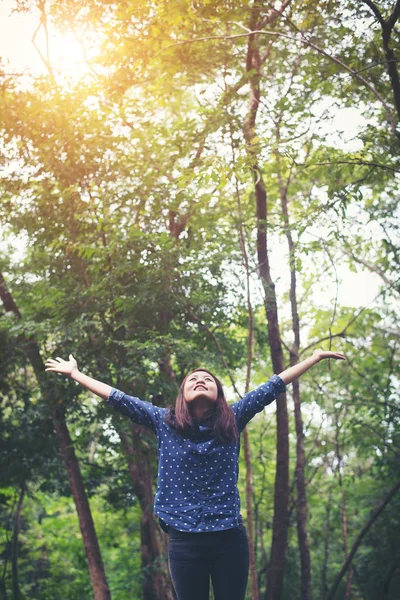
x,y
292,373
70,368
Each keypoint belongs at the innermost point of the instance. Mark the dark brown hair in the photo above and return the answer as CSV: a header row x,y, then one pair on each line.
x,y
224,422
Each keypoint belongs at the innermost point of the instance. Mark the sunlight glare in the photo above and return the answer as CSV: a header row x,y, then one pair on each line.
x,y
69,55
24,48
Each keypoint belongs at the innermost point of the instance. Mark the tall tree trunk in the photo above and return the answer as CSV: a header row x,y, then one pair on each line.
x,y
264,558
345,539
246,442
15,544
388,579
3,590
86,524
249,511
343,507
301,506
324,583
387,26
137,445
156,583
90,541
276,567
137,449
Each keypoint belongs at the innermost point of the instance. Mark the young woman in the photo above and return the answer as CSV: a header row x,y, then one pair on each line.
x,y
197,500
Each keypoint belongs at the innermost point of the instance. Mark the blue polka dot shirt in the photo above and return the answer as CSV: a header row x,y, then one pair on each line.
x,y
197,475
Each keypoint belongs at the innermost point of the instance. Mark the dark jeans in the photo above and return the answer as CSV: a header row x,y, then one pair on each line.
x,y
221,555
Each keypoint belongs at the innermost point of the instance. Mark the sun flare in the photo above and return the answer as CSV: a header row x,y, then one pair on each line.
x,y
68,54
68,51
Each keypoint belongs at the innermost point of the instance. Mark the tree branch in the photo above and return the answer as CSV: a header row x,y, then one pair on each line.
x,y
391,21
273,14
355,316
391,62
218,346
376,12
43,23
350,162
369,266
303,40
375,514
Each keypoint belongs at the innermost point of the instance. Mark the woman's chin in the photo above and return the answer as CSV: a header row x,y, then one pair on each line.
x,y
200,398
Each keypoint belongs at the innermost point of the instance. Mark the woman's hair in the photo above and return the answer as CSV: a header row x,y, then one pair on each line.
x,y
223,424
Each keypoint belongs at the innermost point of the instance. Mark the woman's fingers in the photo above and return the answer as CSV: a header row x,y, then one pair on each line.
x,y
50,362
330,354
50,366
54,365
335,355
60,365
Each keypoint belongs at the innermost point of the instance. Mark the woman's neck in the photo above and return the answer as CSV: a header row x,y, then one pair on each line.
x,y
202,409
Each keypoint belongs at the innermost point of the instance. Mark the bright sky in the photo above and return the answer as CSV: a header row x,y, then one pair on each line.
x,y
16,32
18,51
19,54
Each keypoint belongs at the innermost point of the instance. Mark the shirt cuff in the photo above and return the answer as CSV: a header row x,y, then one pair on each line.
x,y
114,397
279,383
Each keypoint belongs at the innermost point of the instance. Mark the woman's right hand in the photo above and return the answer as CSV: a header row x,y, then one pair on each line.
x,y
68,367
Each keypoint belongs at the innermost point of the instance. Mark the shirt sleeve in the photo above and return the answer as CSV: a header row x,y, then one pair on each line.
x,y
253,402
142,413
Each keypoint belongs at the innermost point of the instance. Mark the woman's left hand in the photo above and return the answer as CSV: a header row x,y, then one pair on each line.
x,y
321,354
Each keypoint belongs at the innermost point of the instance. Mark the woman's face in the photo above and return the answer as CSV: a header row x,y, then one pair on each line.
x,y
200,384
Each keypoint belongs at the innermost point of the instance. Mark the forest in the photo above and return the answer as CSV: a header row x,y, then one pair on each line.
x,y
214,184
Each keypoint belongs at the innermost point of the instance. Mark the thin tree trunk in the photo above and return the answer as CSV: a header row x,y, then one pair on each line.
x,y
276,567
90,541
15,544
166,368
86,524
345,540
281,496
137,445
301,512
246,442
387,26
343,509
154,542
3,590
249,511
388,579
264,558
375,514
156,583
324,584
